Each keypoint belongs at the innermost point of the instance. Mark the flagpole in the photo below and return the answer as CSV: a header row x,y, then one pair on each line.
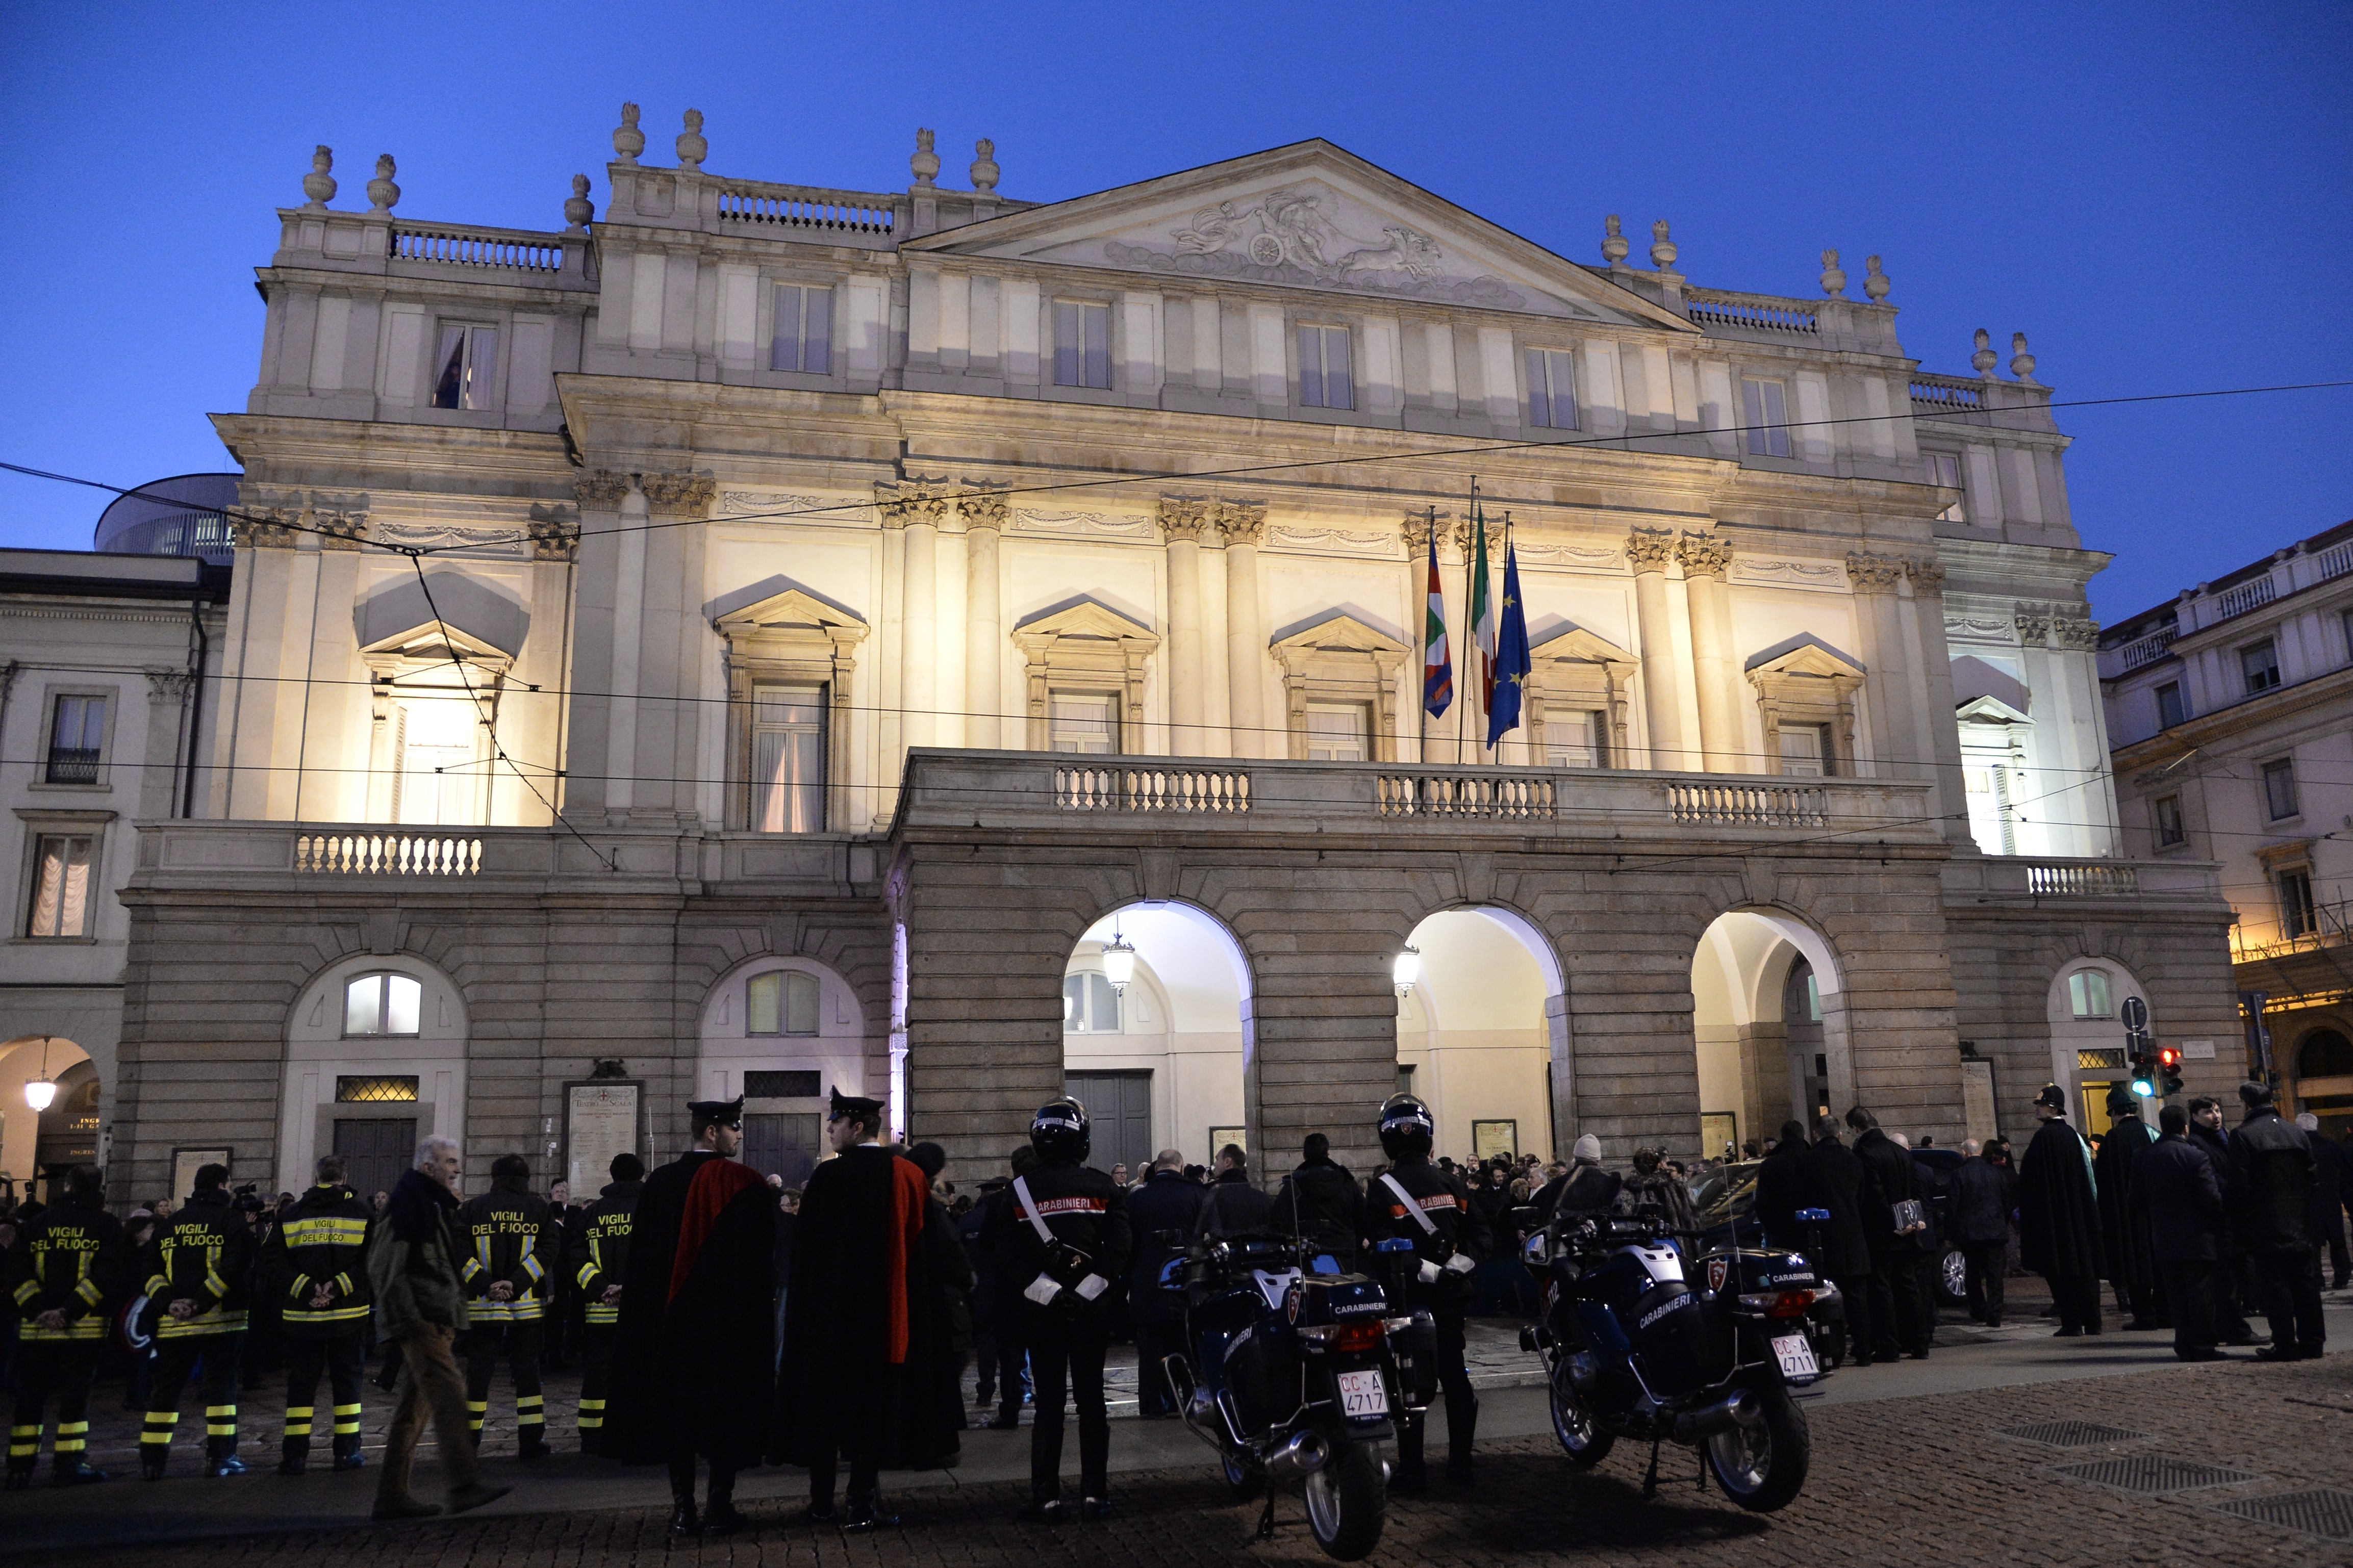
x,y
1470,637
1422,570
1503,611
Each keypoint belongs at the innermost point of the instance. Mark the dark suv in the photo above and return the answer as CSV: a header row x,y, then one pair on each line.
x,y
1726,1200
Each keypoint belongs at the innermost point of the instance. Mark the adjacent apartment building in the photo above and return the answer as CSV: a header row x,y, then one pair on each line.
x,y
2229,708
961,648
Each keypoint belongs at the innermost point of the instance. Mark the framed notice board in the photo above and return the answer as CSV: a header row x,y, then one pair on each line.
x,y
602,1117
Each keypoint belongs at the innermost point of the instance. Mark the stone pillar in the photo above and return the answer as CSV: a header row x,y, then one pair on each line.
x,y
1242,524
889,727
2096,796
628,640
984,510
920,506
1183,521
1705,560
1886,669
1936,671
1648,551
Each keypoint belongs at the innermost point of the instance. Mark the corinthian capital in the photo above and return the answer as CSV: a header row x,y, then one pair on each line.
x,y
1241,521
2076,634
1704,556
1873,574
1185,518
1650,549
1927,576
984,505
678,492
601,489
917,501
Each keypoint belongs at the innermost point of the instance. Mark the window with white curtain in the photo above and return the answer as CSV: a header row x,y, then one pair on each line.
x,y
1945,469
383,1004
1765,411
1090,1005
1805,751
789,758
2087,994
1082,344
804,336
781,1002
463,366
60,906
436,781
1086,723
1552,389
1338,732
1326,379
1574,740
77,739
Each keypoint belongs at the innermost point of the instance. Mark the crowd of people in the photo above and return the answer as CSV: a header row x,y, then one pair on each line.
x,y
722,1320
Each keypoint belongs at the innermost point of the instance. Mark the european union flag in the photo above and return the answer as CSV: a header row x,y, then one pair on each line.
x,y
1512,661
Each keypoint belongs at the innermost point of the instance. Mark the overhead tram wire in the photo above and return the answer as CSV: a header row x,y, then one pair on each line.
x,y
1478,449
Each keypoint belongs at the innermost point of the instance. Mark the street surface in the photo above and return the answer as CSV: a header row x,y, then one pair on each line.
x,y
1913,1462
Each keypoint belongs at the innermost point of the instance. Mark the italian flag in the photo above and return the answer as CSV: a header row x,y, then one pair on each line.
x,y
1482,610
1438,657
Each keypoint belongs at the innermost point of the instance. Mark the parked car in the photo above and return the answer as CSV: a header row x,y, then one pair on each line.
x,y
1726,1200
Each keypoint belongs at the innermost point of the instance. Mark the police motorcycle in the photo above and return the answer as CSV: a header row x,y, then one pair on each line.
x,y
1291,1374
1640,1344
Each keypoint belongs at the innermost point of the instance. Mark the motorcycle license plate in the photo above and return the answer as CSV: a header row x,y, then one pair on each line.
x,y
1361,1393
1796,1356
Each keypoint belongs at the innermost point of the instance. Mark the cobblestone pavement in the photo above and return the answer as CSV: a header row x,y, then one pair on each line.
x,y
1935,1479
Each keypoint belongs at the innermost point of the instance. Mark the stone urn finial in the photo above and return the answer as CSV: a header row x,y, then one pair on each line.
x,y
1983,360
692,147
319,185
381,190
2022,363
926,162
1613,241
984,165
627,140
1833,275
1874,281
1663,251
578,209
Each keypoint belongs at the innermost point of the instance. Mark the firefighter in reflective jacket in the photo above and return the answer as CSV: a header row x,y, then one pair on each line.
x,y
514,1247
197,1269
1065,1228
319,1248
597,1261
1432,1208
64,1273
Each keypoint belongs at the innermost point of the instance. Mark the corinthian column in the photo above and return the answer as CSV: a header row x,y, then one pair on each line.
x,y
1888,669
1648,551
1927,604
1242,524
984,508
920,506
1183,521
1705,560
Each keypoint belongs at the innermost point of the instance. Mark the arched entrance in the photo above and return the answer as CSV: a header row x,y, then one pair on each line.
x,y
1769,1022
782,1031
375,1060
36,1145
2088,1055
1160,1061
1481,1032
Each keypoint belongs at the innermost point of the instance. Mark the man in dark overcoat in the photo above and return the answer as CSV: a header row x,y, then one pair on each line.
x,y
694,1354
2132,1268
1846,1245
2059,1216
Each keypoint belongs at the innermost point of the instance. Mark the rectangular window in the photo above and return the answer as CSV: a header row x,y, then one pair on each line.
x,y
789,758
1552,389
1086,723
1765,410
2347,617
2167,811
1090,1005
1805,751
1574,740
395,1088
2297,917
1326,380
2279,789
463,367
804,340
788,1083
436,779
1338,732
1082,344
77,731
2087,993
60,885
2259,662
1945,469
2170,709
781,1002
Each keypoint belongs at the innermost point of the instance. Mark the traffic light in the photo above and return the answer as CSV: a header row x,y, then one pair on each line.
x,y
2137,1046
2169,1064
2144,1074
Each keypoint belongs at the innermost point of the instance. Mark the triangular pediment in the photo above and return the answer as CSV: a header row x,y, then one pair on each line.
x,y
1989,710
792,610
1805,654
1341,634
1575,644
434,644
1309,215
1087,618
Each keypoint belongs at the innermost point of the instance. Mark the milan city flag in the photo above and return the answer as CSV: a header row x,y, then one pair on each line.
x,y
1438,658
1512,659
1483,612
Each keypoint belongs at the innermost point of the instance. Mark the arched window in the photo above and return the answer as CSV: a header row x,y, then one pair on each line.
x,y
781,1002
2325,1054
382,1004
1090,1005
2087,994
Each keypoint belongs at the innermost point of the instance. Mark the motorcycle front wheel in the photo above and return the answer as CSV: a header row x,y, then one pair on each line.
x,y
1762,1467
1581,1438
1345,1499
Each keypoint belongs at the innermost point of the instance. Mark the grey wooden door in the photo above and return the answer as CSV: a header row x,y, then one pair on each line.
x,y
375,1151
782,1143
1119,1106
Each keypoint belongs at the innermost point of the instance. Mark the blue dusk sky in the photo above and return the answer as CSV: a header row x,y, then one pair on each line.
x,y
2160,195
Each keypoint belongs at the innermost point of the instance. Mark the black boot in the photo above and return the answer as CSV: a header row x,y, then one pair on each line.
x,y
683,1520
220,1458
349,1458
720,1516
530,1443
73,1471
294,1457
151,1459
